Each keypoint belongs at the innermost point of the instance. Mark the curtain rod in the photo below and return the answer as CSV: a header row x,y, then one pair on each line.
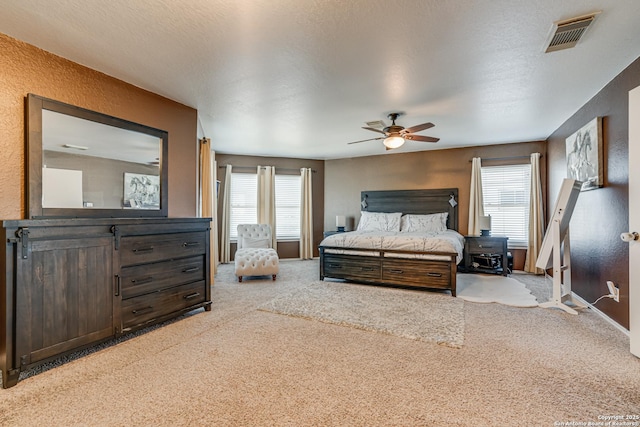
x,y
506,158
254,168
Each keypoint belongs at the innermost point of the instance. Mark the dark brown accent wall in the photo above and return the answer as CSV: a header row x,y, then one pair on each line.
x,y
597,253
26,69
286,249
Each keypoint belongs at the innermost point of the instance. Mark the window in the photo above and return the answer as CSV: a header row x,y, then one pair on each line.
x,y
244,209
288,206
505,190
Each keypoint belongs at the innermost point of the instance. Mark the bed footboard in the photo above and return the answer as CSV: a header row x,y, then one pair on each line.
x,y
384,267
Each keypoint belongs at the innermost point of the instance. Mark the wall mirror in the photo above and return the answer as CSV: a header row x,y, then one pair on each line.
x,y
81,163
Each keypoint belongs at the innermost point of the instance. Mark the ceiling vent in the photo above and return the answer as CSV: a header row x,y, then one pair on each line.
x,y
566,34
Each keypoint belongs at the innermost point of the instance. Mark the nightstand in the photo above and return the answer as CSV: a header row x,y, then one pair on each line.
x,y
485,254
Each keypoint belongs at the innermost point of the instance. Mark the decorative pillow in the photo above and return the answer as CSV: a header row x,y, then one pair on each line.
x,y
379,221
433,223
255,243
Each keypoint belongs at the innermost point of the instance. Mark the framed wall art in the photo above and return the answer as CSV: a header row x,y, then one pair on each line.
x,y
141,191
584,155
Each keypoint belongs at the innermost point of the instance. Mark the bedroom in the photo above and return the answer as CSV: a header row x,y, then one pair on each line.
x,y
28,69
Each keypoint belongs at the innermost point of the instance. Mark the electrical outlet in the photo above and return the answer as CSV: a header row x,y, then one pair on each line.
x,y
614,291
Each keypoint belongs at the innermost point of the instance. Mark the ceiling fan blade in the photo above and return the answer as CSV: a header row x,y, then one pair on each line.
x,y
418,128
365,140
374,129
421,138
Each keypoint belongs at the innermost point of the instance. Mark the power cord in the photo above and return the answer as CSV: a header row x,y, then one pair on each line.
x,y
603,296
547,276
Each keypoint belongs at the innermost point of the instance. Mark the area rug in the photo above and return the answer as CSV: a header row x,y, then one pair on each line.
x,y
487,288
417,315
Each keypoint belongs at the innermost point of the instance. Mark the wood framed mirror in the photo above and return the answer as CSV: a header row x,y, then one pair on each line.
x,y
81,163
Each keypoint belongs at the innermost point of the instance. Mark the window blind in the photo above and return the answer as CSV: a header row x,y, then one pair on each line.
x,y
288,196
505,190
244,209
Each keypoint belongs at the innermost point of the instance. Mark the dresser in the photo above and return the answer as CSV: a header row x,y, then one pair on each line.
x,y
485,254
72,283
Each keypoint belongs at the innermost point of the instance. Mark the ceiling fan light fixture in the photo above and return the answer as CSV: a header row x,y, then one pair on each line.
x,y
395,135
393,141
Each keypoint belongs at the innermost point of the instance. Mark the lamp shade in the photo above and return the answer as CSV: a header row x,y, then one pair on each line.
x,y
485,225
393,141
340,221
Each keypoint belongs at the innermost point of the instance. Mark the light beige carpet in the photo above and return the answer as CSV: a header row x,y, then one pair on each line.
x,y
240,366
491,288
427,316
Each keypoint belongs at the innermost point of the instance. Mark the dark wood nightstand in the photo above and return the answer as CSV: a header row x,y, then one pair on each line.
x,y
485,254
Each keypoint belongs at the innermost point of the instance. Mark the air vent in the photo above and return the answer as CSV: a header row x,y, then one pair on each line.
x,y
377,124
566,34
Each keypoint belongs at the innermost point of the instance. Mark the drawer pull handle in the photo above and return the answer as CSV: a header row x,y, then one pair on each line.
x,y
142,250
393,270
189,244
434,274
191,269
142,280
193,295
367,269
335,266
142,310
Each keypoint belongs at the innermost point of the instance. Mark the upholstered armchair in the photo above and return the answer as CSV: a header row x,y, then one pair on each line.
x,y
254,255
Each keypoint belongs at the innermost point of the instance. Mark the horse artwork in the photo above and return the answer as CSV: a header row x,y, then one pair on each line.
x,y
141,191
584,155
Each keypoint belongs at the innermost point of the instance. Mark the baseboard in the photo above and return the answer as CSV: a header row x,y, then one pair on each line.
x,y
601,314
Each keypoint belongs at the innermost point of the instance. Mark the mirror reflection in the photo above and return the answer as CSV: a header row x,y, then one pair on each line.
x,y
91,165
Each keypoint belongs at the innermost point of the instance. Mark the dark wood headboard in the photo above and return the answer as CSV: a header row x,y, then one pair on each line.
x,y
413,202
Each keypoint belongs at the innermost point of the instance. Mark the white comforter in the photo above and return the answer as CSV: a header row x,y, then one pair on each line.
x,y
447,241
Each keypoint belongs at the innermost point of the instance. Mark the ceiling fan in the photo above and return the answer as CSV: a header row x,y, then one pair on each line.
x,y
395,135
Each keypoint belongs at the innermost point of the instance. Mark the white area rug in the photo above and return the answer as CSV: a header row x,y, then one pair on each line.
x,y
486,288
418,315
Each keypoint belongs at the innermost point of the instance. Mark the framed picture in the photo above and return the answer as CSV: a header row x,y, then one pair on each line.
x,y
584,155
141,191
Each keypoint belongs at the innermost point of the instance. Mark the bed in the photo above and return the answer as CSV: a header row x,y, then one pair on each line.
x,y
419,256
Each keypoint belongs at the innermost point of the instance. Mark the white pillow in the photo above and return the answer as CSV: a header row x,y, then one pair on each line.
x,y
379,221
433,223
255,243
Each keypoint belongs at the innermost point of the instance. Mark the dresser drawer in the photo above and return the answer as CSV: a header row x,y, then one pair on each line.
x,y
346,266
147,308
152,248
142,279
479,245
416,273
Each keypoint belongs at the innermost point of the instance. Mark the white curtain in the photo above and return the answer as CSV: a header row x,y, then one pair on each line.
x,y
536,218
215,252
476,202
208,201
225,240
267,199
306,215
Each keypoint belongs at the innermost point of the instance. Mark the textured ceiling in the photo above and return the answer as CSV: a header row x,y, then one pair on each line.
x,y
299,78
